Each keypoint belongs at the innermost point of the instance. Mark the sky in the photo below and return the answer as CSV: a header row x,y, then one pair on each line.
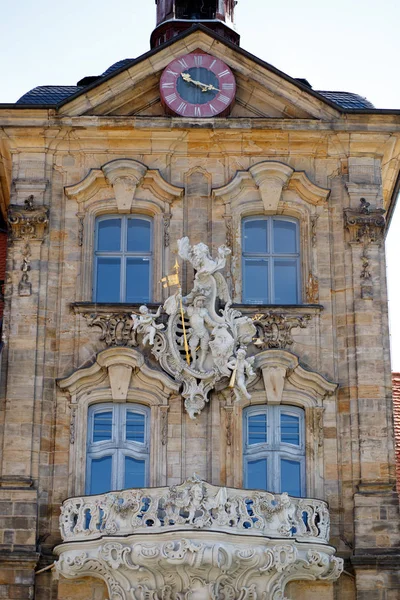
x,y
345,45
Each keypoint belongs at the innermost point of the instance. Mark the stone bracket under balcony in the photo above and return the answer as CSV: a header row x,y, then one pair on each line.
x,y
196,541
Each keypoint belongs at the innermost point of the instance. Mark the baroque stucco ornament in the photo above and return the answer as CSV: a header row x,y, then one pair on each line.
x,y
215,341
207,542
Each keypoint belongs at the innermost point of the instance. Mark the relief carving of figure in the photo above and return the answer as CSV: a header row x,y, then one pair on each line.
x,y
146,324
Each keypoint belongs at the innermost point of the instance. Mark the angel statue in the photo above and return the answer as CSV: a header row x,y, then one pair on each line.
x,y
146,324
200,258
242,367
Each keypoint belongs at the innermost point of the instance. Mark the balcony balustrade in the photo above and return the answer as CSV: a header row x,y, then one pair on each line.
x,y
213,542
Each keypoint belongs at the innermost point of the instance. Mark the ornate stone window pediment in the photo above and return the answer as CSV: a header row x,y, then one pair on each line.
x,y
123,186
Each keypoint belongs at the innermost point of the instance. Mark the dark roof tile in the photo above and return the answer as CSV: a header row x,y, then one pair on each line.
x,y
346,99
48,94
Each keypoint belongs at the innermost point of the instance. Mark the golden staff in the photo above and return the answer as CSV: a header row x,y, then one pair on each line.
x,y
169,281
233,377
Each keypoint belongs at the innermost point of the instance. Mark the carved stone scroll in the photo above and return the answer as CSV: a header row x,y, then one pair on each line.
x,y
28,222
274,330
116,328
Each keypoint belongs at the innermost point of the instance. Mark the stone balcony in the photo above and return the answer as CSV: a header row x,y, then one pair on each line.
x,y
197,539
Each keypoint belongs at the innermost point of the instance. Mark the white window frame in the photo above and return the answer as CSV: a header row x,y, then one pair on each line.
x,y
123,254
270,256
118,447
273,450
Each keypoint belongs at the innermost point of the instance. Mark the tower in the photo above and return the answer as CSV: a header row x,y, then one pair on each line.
x,y
174,16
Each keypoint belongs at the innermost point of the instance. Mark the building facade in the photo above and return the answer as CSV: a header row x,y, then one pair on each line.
x,y
196,386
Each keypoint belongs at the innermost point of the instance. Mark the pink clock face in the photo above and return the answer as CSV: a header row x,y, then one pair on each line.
x,y
198,85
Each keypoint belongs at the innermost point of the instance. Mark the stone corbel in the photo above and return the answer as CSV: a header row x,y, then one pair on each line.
x,y
28,222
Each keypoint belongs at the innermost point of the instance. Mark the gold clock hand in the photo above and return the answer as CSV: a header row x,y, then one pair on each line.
x,y
205,87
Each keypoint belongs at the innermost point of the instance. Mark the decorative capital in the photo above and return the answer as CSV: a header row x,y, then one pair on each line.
x,y
365,224
28,222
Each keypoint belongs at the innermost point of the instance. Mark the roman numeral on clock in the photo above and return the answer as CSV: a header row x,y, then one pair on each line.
x,y
227,86
223,73
213,109
223,99
182,108
197,111
183,63
172,73
168,85
171,98
198,60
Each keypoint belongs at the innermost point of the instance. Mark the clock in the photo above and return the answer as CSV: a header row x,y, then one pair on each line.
x,y
197,85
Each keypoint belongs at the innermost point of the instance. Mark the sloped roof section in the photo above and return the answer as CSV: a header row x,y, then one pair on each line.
x,y
347,99
48,94
396,415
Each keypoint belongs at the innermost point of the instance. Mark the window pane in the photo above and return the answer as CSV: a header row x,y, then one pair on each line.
x,y
257,474
291,477
290,429
139,235
137,280
102,426
255,234
100,480
109,235
285,281
285,237
134,427
256,281
257,429
108,279
134,472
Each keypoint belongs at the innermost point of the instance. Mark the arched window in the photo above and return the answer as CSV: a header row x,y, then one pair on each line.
x,y
274,449
271,260
123,259
118,450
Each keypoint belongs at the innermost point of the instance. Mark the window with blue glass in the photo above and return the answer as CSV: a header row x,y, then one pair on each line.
x,y
270,260
123,259
118,452
274,449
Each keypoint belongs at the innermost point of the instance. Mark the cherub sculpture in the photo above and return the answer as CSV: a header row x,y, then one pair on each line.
x,y
242,368
146,324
